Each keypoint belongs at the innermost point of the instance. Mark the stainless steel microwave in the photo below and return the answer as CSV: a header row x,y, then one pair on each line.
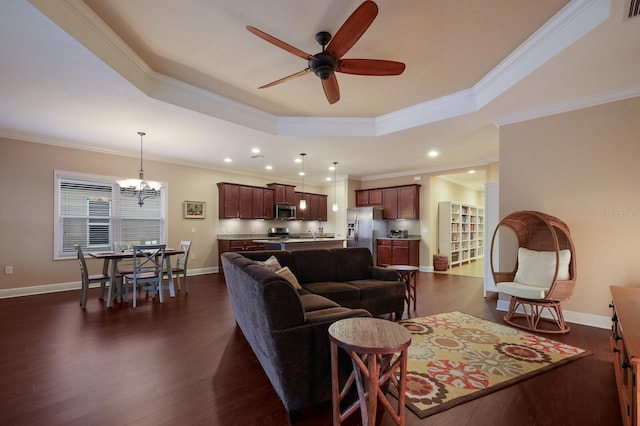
x,y
285,212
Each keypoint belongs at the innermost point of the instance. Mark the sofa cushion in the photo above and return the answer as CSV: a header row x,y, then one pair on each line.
x,y
313,266
352,263
288,275
284,257
375,289
315,302
341,293
272,263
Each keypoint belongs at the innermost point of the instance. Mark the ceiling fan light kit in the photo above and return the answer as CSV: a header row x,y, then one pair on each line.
x,y
329,61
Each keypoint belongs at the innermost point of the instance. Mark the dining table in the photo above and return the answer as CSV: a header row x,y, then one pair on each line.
x,y
111,259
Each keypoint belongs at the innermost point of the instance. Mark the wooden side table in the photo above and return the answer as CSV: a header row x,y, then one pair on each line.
x,y
371,343
408,275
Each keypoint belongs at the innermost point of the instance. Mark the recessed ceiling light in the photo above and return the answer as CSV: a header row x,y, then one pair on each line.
x,y
332,168
227,160
301,173
471,171
268,167
298,160
433,153
255,151
328,179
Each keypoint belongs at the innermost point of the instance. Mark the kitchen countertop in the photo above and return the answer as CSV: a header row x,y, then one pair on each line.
x,y
409,238
296,240
327,236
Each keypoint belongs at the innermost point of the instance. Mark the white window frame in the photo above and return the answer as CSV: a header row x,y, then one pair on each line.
x,y
58,253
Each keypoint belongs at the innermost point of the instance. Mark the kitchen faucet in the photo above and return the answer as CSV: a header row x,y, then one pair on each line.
x,y
313,234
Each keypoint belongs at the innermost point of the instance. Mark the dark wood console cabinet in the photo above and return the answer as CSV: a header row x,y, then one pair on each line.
x,y
398,252
625,346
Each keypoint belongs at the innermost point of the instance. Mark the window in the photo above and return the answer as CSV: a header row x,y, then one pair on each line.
x,y
90,211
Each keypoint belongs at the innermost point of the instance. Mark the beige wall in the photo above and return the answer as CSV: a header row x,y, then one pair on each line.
x,y
26,207
582,167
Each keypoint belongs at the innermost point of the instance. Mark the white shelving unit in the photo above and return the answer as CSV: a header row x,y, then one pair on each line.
x,y
460,231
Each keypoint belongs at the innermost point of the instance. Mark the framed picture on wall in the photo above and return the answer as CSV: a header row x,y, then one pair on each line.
x,y
194,210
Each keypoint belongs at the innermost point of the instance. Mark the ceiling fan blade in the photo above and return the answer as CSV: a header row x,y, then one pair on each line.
x,y
281,44
331,88
370,67
352,29
287,78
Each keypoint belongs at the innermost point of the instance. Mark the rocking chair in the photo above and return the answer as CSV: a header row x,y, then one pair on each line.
x,y
544,274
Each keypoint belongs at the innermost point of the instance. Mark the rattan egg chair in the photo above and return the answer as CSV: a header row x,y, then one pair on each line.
x,y
544,274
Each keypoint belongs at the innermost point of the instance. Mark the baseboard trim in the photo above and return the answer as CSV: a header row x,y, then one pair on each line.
x,y
590,320
75,285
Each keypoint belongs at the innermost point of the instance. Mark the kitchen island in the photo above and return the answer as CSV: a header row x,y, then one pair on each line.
x,y
301,243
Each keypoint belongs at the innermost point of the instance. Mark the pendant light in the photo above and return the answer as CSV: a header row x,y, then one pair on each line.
x,y
335,186
139,188
303,202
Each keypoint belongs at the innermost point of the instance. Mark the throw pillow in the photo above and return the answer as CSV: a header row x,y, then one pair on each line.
x,y
536,268
271,263
288,275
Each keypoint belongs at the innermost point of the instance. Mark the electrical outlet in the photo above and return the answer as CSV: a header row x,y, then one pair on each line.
x,y
8,270
193,229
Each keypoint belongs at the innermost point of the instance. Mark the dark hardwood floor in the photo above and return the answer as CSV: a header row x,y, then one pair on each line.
x,y
185,362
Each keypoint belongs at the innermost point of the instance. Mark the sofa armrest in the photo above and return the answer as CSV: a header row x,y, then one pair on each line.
x,y
384,274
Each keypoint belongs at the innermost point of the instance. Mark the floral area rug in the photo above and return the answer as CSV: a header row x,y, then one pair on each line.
x,y
455,358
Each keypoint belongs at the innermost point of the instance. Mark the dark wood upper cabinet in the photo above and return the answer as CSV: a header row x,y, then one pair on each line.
x,y
368,197
390,203
268,203
409,202
228,201
283,194
246,203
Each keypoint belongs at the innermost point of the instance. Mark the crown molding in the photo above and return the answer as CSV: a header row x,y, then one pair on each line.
x,y
575,20
571,105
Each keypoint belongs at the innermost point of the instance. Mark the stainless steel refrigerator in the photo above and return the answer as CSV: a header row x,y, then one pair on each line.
x,y
364,226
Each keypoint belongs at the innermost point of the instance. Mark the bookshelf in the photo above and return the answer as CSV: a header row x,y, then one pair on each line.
x,y
460,232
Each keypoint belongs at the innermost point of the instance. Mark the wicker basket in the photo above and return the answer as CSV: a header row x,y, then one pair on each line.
x,y
440,262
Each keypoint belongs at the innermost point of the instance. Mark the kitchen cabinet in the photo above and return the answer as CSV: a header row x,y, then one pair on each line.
x,y
316,207
283,194
236,245
398,202
398,252
228,201
625,350
461,232
368,197
244,202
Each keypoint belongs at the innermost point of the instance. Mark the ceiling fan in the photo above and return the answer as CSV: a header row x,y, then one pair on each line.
x,y
326,63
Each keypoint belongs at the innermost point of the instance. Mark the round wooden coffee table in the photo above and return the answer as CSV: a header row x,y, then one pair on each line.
x,y
371,343
408,275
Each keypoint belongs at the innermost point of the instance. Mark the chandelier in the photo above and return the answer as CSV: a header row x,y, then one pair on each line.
x,y
139,188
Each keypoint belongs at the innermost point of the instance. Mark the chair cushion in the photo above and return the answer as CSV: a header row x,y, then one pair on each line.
x,y
536,268
522,290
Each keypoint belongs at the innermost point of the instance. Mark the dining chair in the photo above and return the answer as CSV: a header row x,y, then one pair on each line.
x,y
147,271
181,265
87,279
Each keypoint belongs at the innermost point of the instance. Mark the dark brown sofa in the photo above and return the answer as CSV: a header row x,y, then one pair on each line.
x,y
287,328
345,275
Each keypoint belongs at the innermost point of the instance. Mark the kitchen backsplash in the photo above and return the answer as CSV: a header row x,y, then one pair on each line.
x,y
413,226
234,226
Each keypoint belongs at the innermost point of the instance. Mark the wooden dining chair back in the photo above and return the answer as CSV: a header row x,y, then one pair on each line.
x,y
181,265
88,279
544,274
148,261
